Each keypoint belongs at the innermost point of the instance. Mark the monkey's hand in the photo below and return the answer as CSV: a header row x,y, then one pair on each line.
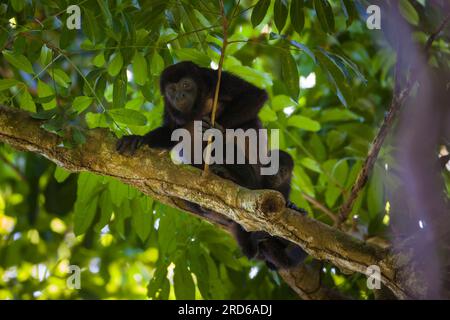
x,y
129,144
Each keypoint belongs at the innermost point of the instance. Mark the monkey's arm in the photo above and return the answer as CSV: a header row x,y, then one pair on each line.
x,y
158,138
242,101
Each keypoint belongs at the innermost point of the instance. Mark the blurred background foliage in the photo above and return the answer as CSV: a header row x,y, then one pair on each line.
x,y
330,82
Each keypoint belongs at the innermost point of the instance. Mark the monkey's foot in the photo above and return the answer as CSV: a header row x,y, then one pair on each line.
x,y
293,206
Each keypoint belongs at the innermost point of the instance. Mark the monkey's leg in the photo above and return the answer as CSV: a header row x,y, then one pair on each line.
x,y
280,253
246,242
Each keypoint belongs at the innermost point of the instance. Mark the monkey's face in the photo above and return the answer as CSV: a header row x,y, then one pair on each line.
x,y
182,94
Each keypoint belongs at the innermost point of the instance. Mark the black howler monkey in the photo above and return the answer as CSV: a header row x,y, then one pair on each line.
x,y
188,92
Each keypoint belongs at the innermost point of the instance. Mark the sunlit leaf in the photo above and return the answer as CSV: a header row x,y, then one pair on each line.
x,y
304,123
19,61
128,116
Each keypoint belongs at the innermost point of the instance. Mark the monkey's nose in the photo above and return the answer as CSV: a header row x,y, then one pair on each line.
x,y
180,96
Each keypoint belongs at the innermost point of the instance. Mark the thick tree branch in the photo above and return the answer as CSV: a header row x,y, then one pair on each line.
x,y
153,173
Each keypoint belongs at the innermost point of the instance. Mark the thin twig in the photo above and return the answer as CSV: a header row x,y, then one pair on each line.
x,y
319,206
369,163
435,34
219,79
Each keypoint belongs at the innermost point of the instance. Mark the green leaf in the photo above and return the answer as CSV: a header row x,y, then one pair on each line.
x,y
139,68
324,15
259,12
335,139
345,65
281,101
106,209
84,214
61,174
120,90
157,64
189,54
256,77
335,76
119,192
135,103
18,5
8,83
303,181
89,25
304,123
201,18
267,114
45,57
128,116
54,126
26,101
183,282
199,266
99,60
297,15
45,114
280,11
311,164
141,218
103,4
115,65
96,120
289,74
100,86
88,84
44,90
157,282
122,214
350,11
86,205
222,253
336,114
304,48
60,77
408,11
81,103
19,61
339,171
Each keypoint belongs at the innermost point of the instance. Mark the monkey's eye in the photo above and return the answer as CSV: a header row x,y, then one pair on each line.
x,y
186,85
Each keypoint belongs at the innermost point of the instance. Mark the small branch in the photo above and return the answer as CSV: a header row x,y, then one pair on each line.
x,y
369,163
320,206
396,104
435,34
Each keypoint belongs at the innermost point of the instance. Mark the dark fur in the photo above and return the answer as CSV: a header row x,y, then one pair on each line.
x,y
239,104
